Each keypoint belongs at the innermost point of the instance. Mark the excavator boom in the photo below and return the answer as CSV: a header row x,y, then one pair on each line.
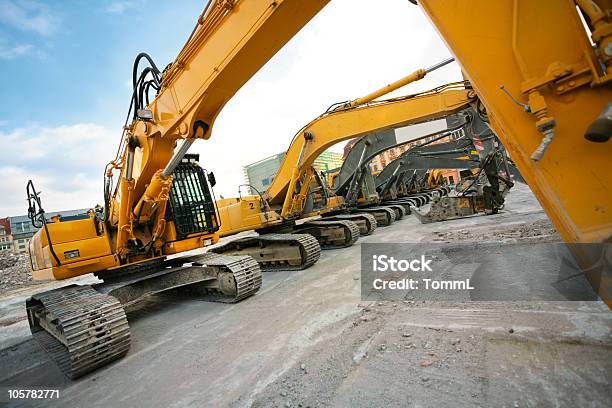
x,y
336,126
543,85
232,40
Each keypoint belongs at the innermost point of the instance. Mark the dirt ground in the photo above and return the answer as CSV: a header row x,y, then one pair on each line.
x,y
307,339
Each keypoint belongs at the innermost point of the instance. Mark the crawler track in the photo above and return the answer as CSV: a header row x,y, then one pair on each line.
x,y
400,211
366,222
85,329
323,230
406,204
261,247
384,216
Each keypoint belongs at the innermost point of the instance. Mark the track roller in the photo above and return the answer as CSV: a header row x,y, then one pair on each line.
x,y
331,233
276,252
384,216
366,222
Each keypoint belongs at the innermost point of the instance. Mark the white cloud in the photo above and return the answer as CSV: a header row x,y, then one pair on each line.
x,y
350,49
28,15
66,163
11,52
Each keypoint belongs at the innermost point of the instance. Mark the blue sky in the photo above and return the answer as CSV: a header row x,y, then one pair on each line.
x,y
66,61
65,84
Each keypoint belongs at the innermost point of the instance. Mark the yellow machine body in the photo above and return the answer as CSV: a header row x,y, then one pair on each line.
x,y
244,214
79,245
83,246
435,178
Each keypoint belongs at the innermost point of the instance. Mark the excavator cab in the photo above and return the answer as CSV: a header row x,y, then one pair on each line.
x,y
192,207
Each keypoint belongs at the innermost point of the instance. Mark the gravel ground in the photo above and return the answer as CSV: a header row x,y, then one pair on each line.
x,y
458,354
409,354
536,231
309,339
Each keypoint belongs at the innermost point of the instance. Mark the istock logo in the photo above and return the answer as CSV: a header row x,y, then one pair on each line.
x,y
384,263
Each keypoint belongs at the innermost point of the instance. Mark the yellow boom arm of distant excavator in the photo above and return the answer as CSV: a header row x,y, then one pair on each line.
x,y
348,121
342,124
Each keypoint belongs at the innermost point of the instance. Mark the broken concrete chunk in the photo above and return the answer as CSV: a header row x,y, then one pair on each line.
x,y
426,363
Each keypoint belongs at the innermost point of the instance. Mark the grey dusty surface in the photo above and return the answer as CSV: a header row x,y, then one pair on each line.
x,y
307,339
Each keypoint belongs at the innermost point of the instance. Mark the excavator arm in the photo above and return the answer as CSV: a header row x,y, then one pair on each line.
x,y
544,86
230,42
349,180
342,124
448,155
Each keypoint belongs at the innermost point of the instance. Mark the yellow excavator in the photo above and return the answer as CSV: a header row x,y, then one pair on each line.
x,y
541,69
161,202
298,192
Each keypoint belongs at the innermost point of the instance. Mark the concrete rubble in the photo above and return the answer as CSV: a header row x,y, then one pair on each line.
x,y
14,272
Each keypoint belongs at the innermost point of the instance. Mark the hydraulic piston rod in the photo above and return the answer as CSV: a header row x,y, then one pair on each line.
x,y
177,157
415,76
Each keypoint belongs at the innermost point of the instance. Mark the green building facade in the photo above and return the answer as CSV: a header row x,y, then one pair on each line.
x,y
259,175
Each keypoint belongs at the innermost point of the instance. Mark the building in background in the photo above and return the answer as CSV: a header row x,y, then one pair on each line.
x,y
22,230
6,239
379,162
327,161
259,175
